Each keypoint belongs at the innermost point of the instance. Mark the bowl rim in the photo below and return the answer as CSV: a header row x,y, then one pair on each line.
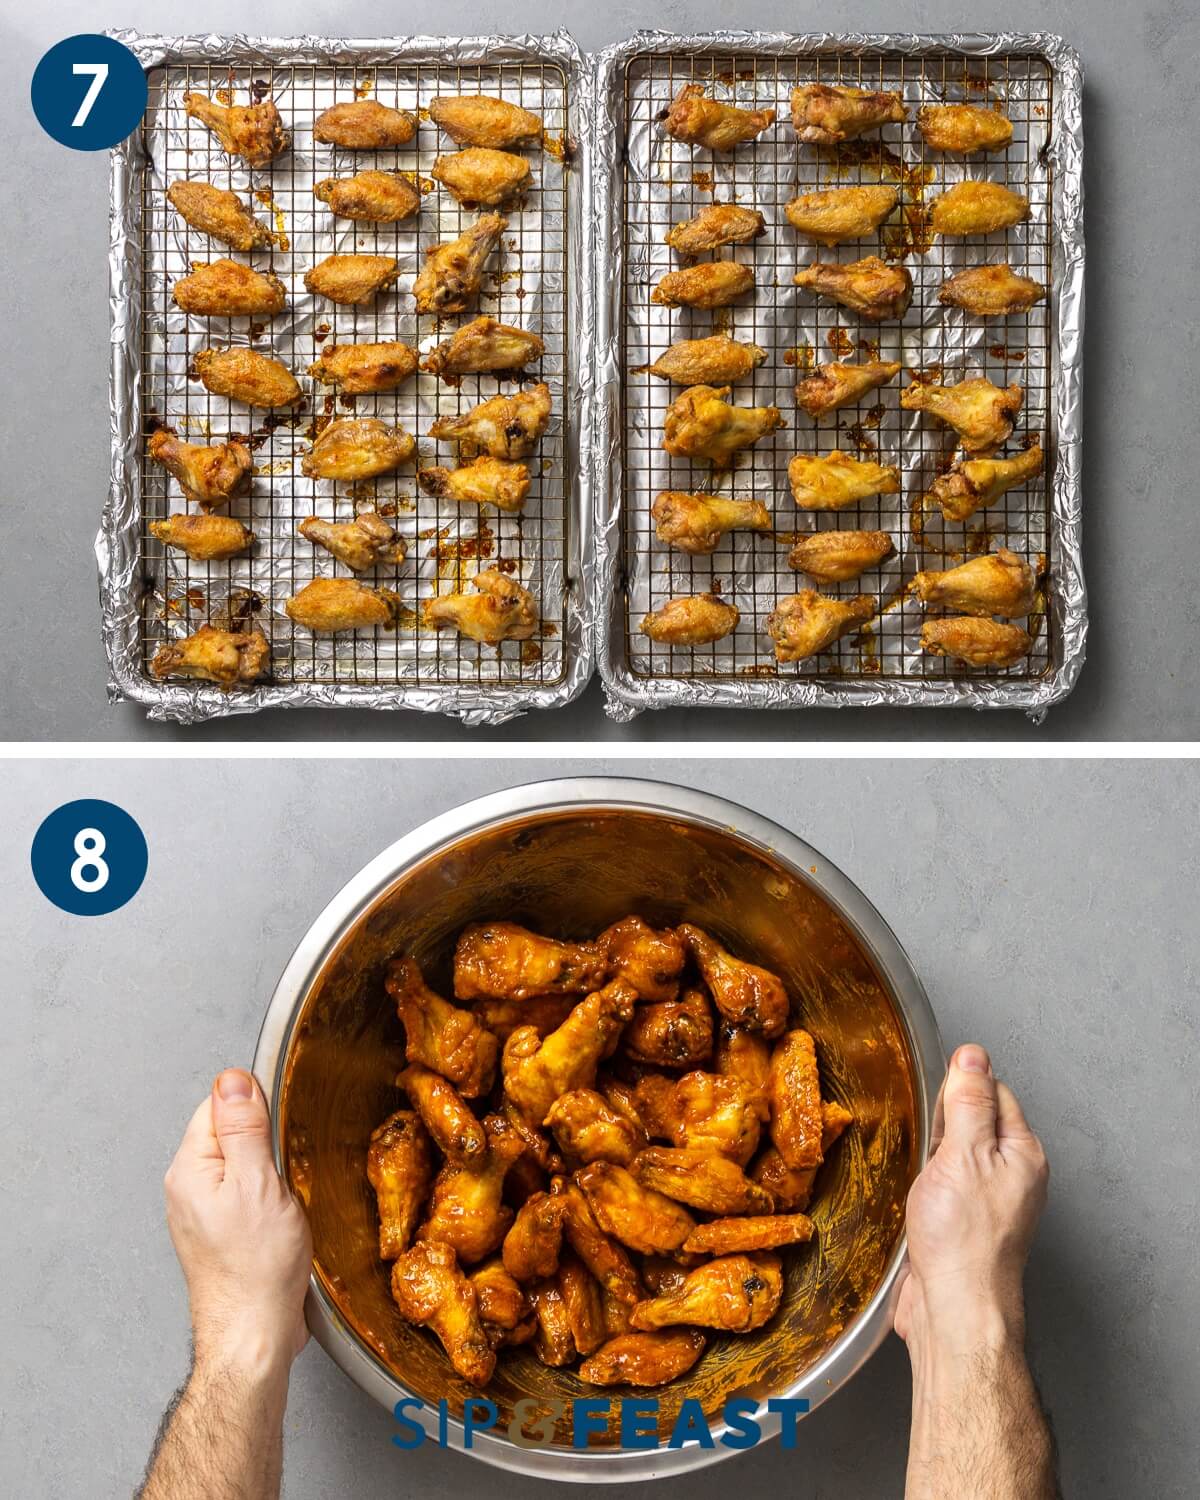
x,y
574,794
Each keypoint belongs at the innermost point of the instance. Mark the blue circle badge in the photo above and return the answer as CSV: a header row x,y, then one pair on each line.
x,y
89,92
89,857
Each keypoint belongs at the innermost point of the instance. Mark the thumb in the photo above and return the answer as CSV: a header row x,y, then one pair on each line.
x,y
969,1100
241,1122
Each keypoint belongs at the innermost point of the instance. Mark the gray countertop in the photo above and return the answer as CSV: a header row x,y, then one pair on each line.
x,y
1049,907
1142,525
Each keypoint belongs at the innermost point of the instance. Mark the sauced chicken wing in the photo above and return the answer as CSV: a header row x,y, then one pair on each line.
x,y
977,642
973,207
553,1343
480,120
208,473
605,1257
370,196
481,346
869,287
252,131
766,1232
439,1035
545,1013
807,623
332,604
835,385
205,538
1000,584
352,280
716,225
643,1359
991,291
700,423
708,1182
364,125
832,481
445,1114
744,993
355,448
717,360
502,610
466,1211
583,1304
484,481
219,214
824,115
794,1090
975,483
671,1033
588,1129
697,120
650,959
533,1245
963,127
248,376
791,1187
431,1291
708,1112
694,620
745,1055
400,1169
537,1070
230,658
481,176
712,283
362,544
452,275
502,961
640,1217
364,369
837,214
836,556
503,427
736,1293
502,1304
696,523
981,413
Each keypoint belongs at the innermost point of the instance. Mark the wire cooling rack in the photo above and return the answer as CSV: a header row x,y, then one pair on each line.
x,y
526,285
664,182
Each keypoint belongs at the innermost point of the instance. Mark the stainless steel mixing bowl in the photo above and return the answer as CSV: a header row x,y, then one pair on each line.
x,y
568,857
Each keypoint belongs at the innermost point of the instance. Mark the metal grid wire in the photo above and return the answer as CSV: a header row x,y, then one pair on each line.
x,y
525,284
666,182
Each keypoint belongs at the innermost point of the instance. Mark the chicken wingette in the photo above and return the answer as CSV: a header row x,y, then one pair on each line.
x,y
718,360
736,1293
964,127
704,1180
431,1291
976,642
588,1129
451,278
838,556
533,1245
832,481
991,291
974,207
441,1036
837,214
252,131
715,225
792,1187
696,523
506,427
639,1217
370,196
671,1033
999,584
205,538
700,423
537,1069
484,481
746,1233
364,125
466,1208
228,289
975,483
651,959
352,280
364,369
209,474
481,120
808,623
246,375
643,1359
483,346
481,176
825,115
697,120
230,658
981,413
869,287
502,610
219,214
836,385
712,283
400,1170
357,448
332,604
691,620
794,1094
362,544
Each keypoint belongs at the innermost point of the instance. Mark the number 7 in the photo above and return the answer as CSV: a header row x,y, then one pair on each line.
x,y
99,73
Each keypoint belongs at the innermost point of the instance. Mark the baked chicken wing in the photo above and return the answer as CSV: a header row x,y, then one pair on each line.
x,y
501,610
480,120
807,623
794,1091
583,1303
370,196
603,1255
362,544
974,207
364,369
533,1245
833,386
696,523
791,1187
708,1112
205,538
230,658
482,346
357,448
482,176
352,280
705,1181
445,1114
638,1216
503,961
431,1291
545,1013
712,283
452,275
588,1129
832,481
502,1304
691,620
736,1293
439,1035
869,287
364,125
975,483
333,604
697,120
977,642
252,131
999,584
825,115
502,427
744,993
963,127
745,1055
838,556
219,214
671,1033
837,214
209,474
981,413
484,481
643,1359
246,375
466,1210
400,1169
538,1069
764,1232
650,959
700,423
718,360
715,225
991,291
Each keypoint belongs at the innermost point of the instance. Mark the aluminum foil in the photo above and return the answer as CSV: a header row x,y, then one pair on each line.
x,y
148,596
643,182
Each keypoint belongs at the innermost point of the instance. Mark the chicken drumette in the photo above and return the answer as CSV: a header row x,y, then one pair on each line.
x,y
482,346
370,196
439,1035
483,177
357,448
977,642
209,474
400,1169
480,120
484,481
650,959
248,376
869,287
639,1217
333,604
824,115
976,483
431,1291
706,1112
712,283
991,291
252,131
744,993
981,413
832,481
466,1210
364,125
502,610
718,360
532,1247
219,214
452,275
700,423
588,1129
503,961
505,427
808,622
716,225
1000,584
736,1293
445,1114
352,280
691,620
537,1070
230,658
963,127
362,544
364,369
974,207
697,120
836,385
837,214
205,538
837,556
696,523
671,1033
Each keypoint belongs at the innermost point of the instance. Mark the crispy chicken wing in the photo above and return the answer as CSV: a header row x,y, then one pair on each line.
x,y
869,287
545,1013
503,427
466,1211
736,1293
991,291
981,413
791,1187
973,207
696,523
964,127
481,176
671,1033
977,642
745,1055
643,1359
715,225
356,448
481,346
332,604
219,214
352,280
484,481
832,481
205,538
480,120
553,1343
400,1169
533,1245
431,1291
700,423
766,1232
364,369
824,115
583,1304
502,1304
537,1070
712,283
717,360
709,1112
975,483
605,1257
252,131
367,542
837,556
744,993
248,376
640,1217
794,1091
364,125
439,1035
697,120
807,623
370,196
209,474
445,1114
588,1129
502,961
692,620
835,385
837,214
702,1179
452,275
650,959
999,584
230,658
502,610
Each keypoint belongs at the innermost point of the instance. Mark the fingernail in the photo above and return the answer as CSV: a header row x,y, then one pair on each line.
x,y
972,1059
235,1084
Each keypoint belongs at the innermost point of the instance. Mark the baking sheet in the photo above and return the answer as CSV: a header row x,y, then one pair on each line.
x,y
645,182
150,594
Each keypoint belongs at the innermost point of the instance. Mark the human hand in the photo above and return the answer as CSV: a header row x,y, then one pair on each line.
x,y
241,1238
972,1213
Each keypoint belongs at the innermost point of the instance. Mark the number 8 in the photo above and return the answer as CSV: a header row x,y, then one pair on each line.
x,y
89,846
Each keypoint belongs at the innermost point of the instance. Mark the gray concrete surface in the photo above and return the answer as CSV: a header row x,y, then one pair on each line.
x,y
1049,907
1142,523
